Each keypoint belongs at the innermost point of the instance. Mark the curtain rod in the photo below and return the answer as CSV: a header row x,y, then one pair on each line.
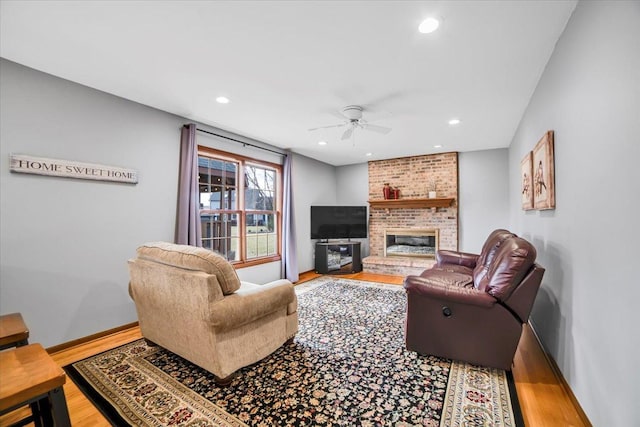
x,y
241,142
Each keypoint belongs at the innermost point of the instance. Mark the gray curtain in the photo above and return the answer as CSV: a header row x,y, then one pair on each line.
x,y
289,268
188,231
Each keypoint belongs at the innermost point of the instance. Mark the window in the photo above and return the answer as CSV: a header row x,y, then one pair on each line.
x,y
240,201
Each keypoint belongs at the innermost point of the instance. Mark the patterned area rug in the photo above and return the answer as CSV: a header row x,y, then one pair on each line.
x,y
347,366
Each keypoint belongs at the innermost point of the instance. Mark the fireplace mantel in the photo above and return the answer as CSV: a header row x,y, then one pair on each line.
x,y
411,203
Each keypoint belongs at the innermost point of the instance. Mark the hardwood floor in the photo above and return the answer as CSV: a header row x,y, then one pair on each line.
x,y
543,396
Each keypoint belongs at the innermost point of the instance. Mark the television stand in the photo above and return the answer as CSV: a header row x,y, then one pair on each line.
x,y
338,257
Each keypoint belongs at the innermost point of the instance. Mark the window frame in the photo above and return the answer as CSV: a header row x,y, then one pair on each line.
x,y
242,212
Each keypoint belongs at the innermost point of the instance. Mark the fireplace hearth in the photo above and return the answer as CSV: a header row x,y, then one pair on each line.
x,y
410,242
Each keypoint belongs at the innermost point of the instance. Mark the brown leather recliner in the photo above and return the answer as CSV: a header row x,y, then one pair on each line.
x,y
472,307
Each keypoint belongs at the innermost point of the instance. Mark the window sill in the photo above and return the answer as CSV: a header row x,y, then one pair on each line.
x,y
257,261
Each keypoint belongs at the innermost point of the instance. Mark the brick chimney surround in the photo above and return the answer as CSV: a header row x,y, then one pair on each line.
x,y
414,177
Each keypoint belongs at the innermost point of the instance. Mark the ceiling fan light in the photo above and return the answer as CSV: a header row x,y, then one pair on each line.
x,y
454,122
222,100
322,142
429,25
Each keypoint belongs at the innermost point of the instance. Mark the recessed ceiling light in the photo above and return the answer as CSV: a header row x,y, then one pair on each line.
x,y
369,154
429,25
437,146
322,142
453,122
222,100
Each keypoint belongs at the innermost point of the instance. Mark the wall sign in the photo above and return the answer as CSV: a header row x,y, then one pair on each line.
x,y
70,169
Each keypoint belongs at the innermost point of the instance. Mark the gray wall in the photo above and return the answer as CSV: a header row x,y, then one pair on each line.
x,y
352,189
484,191
65,242
586,311
314,183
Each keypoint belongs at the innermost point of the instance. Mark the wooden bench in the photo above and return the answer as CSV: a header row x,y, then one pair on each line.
x,y
30,376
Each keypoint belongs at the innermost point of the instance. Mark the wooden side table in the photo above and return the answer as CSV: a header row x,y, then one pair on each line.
x,y
13,331
30,376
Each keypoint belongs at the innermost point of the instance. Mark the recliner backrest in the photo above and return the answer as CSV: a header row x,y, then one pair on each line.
x,y
192,258
489,250
512,261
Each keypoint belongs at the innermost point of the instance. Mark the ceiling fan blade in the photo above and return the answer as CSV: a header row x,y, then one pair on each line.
x,y
347,133
326,127
376,128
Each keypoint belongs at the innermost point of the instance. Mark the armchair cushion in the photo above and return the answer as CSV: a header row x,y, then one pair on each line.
x,y
251,302
446,278
192,258
454,268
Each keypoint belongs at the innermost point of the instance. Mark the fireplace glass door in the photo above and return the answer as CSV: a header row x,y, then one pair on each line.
x,y
411,242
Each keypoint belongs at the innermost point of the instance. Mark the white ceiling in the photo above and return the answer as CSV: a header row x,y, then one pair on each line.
x,y
289,66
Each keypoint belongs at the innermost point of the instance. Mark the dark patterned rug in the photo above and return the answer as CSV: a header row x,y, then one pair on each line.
x,y
347,366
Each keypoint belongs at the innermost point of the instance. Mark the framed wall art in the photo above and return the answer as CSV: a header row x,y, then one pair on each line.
x,y
526,178
544,192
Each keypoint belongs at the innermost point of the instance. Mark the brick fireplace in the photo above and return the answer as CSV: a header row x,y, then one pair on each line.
x,y
414,177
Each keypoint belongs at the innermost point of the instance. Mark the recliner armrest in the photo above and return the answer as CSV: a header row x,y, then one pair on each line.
x,y
459,258
427,288
247,305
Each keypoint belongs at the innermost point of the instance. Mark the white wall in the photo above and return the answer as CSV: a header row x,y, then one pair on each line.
x,y
484,196
586,310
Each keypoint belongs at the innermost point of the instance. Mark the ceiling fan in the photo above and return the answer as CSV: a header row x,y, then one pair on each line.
x,y
353,120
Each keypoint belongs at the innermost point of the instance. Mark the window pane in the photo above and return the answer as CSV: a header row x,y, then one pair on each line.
x,y
252,246
272,247
269,222
215,197
220,234
229,201
269,198
217,179
251,198
260,188
262,236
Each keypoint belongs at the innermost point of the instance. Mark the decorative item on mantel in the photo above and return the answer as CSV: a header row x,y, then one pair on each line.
x,y
386,191
432,188
390,193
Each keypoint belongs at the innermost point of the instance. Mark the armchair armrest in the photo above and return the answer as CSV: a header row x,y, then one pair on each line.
x,y
247,305
425,287
459,258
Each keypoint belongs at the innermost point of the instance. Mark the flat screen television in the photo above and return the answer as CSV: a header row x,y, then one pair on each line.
x,y
338,222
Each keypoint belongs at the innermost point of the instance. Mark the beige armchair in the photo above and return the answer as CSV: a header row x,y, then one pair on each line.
x,y
190,301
